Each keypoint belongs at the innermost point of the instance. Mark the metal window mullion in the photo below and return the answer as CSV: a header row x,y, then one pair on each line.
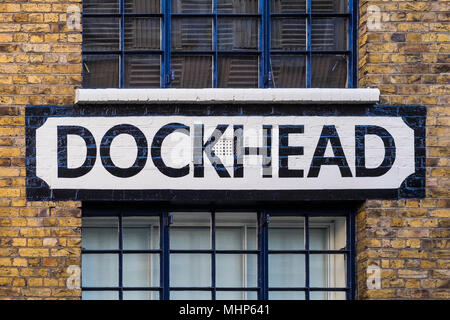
x,y
263,282
264,43
351,264
165,258
213,255
120,256
215,58
350,57
307,266
122,43
166,73
308,49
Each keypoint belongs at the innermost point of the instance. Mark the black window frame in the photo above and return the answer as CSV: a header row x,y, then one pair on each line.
x,y
264,50
263,213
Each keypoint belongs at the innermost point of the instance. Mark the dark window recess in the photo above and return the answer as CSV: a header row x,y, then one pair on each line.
x,y
209,254
238,43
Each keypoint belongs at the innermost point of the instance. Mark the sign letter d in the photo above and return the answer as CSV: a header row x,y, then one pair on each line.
x,y
91,154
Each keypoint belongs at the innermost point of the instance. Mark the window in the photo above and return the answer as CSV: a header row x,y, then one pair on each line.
x,y
219,43
204,254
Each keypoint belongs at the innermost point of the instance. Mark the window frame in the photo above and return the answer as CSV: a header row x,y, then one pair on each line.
x,y
262,251
263,51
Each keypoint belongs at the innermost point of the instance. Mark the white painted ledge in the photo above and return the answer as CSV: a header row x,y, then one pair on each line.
x,y
299,96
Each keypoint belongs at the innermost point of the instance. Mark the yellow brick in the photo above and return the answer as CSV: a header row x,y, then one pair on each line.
x,y
427,264
413,274
381,293
35,282
18,222
412,284
50,282
36,292
413,243
37,38
34,79
34,232
36,47
20,17
6,58
9,272
65,252
9,192
19,282
5,262
9,7
415,223
9,27
5,37
398,244
27,252
35,27
51,17
409,253
31,7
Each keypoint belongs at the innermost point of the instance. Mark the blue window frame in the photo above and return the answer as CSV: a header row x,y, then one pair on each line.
x,y
314,266
219,43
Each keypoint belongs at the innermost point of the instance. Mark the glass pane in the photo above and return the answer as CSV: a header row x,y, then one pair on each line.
x,y
141,270
100,71
236,270
328,270
329,5
327,233
236,295
329,34
237,33
142,33
190,270
236,231
100,233
100,295
324,295
318,238
140,295
288,34
100,270
190,295
191,6
140,233
190,230
142,6
237,6
191,33
286,270
288,6
286,233
192,71
101,6
101,34
288,71
328,71
142,71
237,71
286,295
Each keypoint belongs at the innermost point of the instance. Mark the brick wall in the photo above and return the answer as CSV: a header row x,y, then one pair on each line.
x,y
407,58
39,64
406,55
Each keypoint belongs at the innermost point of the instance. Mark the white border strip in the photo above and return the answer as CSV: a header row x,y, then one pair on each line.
x,y
299,96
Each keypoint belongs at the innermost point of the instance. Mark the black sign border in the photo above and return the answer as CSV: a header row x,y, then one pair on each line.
x,y
412,187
